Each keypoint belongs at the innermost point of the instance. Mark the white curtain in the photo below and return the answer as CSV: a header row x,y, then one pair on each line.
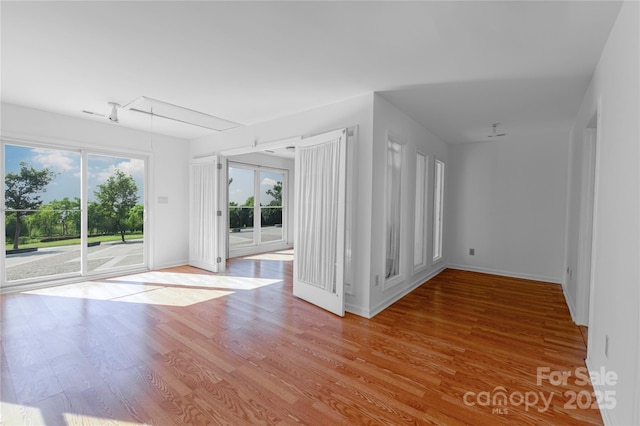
x,y
202,223
393,208
317,221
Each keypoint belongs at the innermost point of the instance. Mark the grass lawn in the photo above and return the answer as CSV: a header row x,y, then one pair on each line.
x,y
76,241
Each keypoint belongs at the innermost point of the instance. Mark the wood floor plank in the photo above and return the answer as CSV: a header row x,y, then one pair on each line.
x,y
203,354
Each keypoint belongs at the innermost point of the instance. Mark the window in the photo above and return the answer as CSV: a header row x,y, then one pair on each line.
x,y
42,217
46,194
241,207
271,206
393,188
438,209
115,212
420,218
255,206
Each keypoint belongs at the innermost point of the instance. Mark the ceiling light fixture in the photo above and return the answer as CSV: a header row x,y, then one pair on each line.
x,y
494,133
113,116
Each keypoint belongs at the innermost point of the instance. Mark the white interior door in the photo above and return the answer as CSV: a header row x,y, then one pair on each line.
x,y
206,218
319,220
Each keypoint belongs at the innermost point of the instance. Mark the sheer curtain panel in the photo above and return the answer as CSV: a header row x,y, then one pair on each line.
x,y
317,219
393,208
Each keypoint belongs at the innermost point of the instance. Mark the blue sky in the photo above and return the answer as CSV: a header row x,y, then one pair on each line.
x,y
242,186
66,166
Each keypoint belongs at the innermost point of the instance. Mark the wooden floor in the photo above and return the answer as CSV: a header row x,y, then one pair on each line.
x,y
182,346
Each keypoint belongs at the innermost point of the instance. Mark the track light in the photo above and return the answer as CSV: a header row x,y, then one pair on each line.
x,y
113,116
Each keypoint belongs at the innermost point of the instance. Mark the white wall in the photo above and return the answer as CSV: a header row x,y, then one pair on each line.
x,y
615,299
507,200
170,178
389,120
168,235
352,112
575,182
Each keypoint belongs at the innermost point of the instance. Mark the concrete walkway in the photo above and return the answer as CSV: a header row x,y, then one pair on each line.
x,y
51,261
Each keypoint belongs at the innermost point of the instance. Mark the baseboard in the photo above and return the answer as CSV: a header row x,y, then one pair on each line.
x,y
170,265
510,274
357,310
607,416
570,304
403,292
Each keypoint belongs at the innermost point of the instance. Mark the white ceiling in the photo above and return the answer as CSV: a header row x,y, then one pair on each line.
x,y
456,66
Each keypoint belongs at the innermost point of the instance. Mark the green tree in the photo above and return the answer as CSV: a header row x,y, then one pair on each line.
x,y
68,214
46,220
22,193
116,197
273,216
276,193
135,220
98,224
246,214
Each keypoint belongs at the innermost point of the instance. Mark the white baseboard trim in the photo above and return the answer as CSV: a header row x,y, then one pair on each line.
x,y
170,264
570,304
510,274
357,310
607,416
403,292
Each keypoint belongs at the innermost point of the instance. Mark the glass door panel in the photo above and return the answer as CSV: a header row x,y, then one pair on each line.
x,y
241,207
271,206
115,212
42,217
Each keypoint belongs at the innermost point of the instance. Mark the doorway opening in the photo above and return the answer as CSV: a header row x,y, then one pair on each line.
x,y
258,207
265,205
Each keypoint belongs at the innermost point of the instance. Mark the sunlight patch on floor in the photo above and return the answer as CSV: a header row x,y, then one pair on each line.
x,y
19,414
96,290
197,280
133,293
174,296
283,255
79,419
157,288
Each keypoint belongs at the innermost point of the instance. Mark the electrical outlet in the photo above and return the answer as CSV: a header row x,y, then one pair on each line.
x,y
472,252
606,346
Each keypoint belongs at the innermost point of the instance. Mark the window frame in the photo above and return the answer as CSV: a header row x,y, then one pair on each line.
x,y
438,209
257,209
421,211
391,281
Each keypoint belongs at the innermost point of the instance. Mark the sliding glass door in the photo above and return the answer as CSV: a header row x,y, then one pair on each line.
x,y
42,212
47,235
115,212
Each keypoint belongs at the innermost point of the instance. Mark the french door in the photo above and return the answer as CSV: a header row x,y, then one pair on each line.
x,y
208,218
319,230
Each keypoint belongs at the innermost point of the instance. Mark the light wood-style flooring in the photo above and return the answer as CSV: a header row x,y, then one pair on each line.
x,y
183,346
